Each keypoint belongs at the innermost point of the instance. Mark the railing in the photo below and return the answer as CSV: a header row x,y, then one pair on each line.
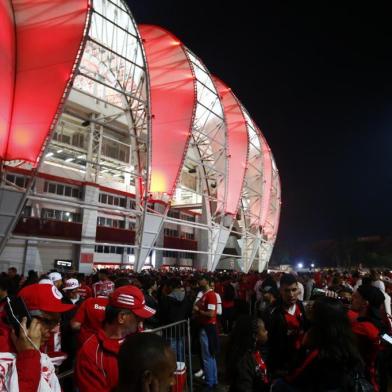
x,y
48,228
178,335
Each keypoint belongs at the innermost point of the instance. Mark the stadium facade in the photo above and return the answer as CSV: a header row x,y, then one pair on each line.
x,y
119,148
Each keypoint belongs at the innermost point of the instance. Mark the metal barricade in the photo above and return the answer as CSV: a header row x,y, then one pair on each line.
x,y
178,335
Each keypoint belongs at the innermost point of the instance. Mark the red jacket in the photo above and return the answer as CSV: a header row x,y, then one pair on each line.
x,y
96,366
90,314
368,337
28,363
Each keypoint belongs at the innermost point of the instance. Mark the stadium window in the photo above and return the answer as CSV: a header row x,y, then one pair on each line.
x,y
112,200
109,222
52,188
130,251
62,190
174,214
20,181
64,216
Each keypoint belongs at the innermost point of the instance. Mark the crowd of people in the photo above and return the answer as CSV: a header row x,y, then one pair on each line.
x,y
325,330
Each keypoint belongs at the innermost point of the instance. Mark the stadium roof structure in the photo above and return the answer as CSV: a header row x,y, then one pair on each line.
x,y
174,109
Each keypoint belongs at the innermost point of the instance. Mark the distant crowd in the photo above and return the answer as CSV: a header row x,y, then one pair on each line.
x,y
326,330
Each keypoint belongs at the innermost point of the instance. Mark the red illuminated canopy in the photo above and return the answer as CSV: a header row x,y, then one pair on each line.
x,y
173,98
237,135
39,42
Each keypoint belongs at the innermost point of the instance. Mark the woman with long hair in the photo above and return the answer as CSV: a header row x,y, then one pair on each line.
x,y
332,355
246,370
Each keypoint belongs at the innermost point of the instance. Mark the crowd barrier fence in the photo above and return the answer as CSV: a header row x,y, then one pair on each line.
x,y
178,335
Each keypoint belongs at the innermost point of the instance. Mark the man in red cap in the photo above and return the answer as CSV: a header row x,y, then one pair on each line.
x,y
23,366
96,365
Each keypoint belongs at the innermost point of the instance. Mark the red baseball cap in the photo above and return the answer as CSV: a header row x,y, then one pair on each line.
x,y
44,297
131,298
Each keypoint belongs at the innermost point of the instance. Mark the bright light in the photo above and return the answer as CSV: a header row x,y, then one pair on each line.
x,y
69,160
58,151
300,265
312,265
81,156
49,154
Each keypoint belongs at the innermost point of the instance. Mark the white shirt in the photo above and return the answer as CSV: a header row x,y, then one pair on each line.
x,y
301,291
379,284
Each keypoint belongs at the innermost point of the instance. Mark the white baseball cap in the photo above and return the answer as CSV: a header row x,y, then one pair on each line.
x,y
55,276
45,281
71,284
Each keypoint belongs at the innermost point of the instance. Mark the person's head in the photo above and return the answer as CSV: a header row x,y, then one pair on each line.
x,y
103,274
375,275
248,334
204,282
120,282
126,309
367,300
56,279
149,284
174,283
331,332
4,287
146,362
12,271
44,303
81,278
270,294
337,280
71,288
288,289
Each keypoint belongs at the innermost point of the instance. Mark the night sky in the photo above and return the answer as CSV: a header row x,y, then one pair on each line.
x,y
317,79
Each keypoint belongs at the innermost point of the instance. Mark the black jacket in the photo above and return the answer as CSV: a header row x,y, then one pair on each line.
x,y
174,307
281,355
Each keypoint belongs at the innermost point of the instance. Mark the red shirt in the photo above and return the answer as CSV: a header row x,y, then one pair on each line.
x,y
368,337
103,288
293,322
206,303
96,366
84,291
90,314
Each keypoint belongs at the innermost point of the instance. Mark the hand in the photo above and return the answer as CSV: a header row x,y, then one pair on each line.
x,y
196,308
34,333
331,294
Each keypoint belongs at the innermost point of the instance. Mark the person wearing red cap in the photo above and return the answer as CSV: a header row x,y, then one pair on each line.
x,y
90,315
96,365
24,367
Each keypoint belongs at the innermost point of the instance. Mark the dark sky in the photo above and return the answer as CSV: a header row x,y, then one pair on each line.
x,y
317,79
